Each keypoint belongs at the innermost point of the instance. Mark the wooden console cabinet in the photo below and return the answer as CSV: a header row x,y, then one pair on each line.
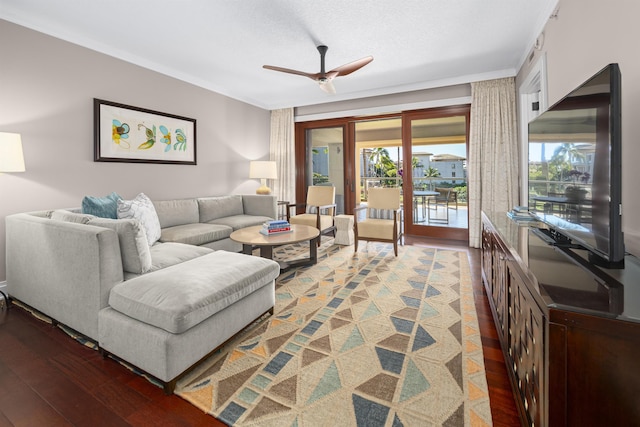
x,y
571,338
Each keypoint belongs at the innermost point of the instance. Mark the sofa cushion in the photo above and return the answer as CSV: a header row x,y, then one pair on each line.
x,y
219,207
134,249
142,209
179,297
177,212
105,207
165,255
68,216
195,234
326,221
241,221
260,205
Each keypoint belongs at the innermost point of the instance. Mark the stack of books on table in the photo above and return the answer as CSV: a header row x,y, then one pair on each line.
x,y
521,214
275,226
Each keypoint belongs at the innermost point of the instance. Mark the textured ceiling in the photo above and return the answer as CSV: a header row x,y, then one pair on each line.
x,y
221,45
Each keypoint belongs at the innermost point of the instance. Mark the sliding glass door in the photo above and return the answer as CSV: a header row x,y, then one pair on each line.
x,y
423,152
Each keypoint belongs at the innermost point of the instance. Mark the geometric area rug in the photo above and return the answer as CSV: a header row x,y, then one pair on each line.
x,y
365,339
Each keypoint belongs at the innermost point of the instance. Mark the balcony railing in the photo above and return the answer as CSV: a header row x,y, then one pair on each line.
x,y
419,183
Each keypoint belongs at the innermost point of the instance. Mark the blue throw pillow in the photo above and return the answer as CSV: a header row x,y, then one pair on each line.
x,y
104,207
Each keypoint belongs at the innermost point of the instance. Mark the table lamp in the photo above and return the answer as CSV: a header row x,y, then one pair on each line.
x,y
263,170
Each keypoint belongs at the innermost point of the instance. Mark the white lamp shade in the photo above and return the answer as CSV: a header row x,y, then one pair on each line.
x,y
263,169
11,157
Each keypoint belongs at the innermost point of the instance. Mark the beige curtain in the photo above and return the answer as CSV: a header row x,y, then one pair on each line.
x,y
493,152
282,151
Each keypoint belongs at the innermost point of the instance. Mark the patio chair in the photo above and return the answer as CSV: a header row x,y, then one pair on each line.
x,y
384,219
441,200
452,196
320,210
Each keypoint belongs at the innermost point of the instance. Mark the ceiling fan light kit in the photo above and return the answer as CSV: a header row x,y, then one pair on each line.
x,y
325,78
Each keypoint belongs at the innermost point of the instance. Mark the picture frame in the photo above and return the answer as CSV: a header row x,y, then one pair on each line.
x,y
123,133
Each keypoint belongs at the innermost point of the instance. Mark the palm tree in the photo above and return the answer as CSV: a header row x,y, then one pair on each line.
x,y
380,160
416,163
563,156
567,152
431,172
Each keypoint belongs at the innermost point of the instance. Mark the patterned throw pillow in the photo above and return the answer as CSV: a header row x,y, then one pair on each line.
x,y
142,209
104,207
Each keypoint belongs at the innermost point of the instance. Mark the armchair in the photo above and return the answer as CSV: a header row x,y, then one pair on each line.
x,y
384,220
320,210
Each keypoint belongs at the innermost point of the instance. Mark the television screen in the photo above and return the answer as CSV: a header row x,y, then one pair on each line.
x,y
574,166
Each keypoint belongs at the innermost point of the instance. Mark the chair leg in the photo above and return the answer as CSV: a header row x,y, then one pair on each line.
x,y
395,247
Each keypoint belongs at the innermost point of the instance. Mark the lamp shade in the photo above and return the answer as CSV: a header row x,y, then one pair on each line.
x,y
11,157
263,169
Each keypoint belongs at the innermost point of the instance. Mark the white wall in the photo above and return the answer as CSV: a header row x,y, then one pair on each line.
x,y
47,88
586,36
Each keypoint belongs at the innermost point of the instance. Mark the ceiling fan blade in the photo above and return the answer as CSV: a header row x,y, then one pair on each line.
x,y
349,68
290,71
325,79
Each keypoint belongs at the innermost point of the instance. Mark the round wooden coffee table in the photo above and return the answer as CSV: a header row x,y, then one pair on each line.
x,y
251,237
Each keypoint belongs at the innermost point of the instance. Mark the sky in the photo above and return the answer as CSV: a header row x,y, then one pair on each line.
x,y
535,151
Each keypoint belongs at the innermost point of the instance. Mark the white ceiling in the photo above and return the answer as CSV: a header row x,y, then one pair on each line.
x,y
221,45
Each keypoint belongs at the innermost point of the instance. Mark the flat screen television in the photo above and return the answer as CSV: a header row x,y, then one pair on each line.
x,y
575,168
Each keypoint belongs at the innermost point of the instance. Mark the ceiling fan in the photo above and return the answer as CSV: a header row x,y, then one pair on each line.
x,y
324,78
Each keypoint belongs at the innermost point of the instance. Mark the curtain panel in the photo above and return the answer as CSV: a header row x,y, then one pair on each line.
x,y
493,152
282,151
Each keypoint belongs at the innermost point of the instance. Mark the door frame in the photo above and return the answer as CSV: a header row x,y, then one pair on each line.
x,y
301,129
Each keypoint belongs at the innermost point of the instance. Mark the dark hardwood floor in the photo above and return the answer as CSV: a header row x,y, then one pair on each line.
x,y
49,379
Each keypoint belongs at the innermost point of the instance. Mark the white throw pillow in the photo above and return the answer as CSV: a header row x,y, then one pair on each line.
x,y
142,209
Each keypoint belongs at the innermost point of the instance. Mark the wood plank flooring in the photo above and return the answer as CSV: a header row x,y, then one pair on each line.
x,y
48,379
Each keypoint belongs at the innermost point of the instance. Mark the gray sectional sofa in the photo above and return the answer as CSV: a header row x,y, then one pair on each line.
x,y
161,308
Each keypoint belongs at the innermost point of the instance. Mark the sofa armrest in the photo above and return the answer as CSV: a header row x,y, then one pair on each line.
x,y
260,205
65,270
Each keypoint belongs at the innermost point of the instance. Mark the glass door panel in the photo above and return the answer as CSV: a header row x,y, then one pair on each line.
x,y
438,181
325,160
378,155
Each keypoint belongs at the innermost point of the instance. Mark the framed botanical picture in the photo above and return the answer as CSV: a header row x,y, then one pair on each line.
x,y
129,134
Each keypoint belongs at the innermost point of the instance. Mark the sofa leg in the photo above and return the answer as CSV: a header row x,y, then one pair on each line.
x,y
169,387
